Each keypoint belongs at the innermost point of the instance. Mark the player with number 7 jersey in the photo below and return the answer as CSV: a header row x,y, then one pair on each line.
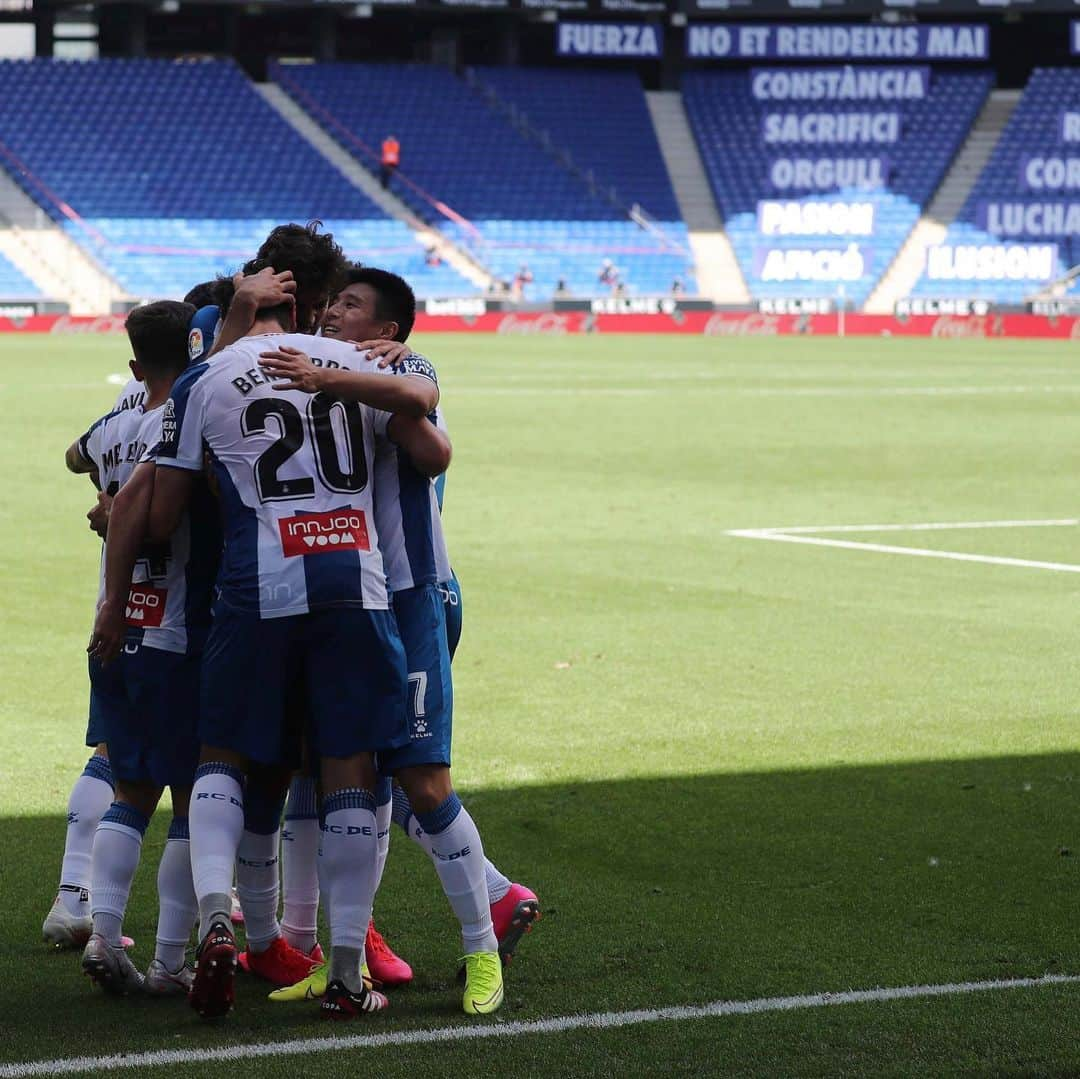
x,y
302,603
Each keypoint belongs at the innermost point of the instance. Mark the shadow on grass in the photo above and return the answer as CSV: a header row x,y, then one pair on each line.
x,y
658,891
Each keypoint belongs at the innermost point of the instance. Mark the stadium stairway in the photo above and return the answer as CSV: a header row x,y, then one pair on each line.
x,y
901,277
32,242
718,273
320,140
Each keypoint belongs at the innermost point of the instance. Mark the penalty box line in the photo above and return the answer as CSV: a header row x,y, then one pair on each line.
x,y
596,1021
818,536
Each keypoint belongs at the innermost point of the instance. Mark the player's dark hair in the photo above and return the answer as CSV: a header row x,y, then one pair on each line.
x,y
202,295
317,263
158,333
394,299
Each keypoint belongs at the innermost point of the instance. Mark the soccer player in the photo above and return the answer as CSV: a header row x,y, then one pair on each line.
x,y
416,560
105,453
319,263
377,304
302,599
148,698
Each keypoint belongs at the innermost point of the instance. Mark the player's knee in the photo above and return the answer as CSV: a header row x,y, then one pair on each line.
x,y
141,796
341,772
427,786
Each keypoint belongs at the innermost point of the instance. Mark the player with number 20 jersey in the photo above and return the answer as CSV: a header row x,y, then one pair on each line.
x,y
293,474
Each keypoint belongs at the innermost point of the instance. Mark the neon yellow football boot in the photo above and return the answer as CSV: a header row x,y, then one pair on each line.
x,y
313,987
483,983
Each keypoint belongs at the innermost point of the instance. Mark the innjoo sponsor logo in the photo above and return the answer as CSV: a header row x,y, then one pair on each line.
x,y
145,606
320,533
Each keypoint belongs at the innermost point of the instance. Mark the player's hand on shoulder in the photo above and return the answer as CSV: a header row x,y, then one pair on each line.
x,y
382,351
294,369
98,516
108,634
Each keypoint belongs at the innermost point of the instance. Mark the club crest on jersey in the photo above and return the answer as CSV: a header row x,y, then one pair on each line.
x,y
321,533
145,606
195,344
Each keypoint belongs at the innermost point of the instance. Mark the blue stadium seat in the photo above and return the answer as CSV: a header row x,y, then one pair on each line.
x,y
474,175
14,284
727,124
162,208
1032,130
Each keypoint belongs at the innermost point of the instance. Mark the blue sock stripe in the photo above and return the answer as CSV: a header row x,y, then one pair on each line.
x,y
219,768
384,791
178,828
303,802
349,798
438,820
402,810
99,768
128,816
262,811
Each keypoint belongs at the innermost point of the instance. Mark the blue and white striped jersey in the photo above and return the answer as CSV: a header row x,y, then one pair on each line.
x,y
113,447
172,584
407,505
294,479
133,395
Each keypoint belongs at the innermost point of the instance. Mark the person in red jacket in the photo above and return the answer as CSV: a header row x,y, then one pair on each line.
x,y
391,158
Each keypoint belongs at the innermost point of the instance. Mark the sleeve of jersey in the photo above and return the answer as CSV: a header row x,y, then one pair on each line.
x,y
182,422
90,443
414,364
150,437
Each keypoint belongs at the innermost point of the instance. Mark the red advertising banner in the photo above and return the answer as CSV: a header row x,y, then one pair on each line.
x,y
701,323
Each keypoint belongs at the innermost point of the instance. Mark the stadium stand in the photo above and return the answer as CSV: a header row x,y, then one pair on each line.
x,y
14,284
997,249
160,209
728,123
498,190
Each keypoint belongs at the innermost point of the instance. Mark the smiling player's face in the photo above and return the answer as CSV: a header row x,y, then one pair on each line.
x,y
351,317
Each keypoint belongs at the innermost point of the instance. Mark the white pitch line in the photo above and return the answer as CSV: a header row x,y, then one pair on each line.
x,y
915,552
596,1021
933,526
901,391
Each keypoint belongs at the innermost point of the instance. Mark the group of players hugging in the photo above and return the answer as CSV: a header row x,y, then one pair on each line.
x,y
275,624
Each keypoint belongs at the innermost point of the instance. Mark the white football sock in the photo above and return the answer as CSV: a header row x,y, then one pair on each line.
x,y
383,809
347,862
90,797
216,820
497,884
458,855
117,846
258,886
300,868
177,908
403,816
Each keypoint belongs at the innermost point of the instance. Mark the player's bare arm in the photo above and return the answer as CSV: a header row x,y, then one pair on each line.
x,y
127,530
171,494
427,447
75,460
410,395
262,290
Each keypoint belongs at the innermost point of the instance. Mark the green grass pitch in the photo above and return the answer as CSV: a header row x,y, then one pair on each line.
x,y
732,769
